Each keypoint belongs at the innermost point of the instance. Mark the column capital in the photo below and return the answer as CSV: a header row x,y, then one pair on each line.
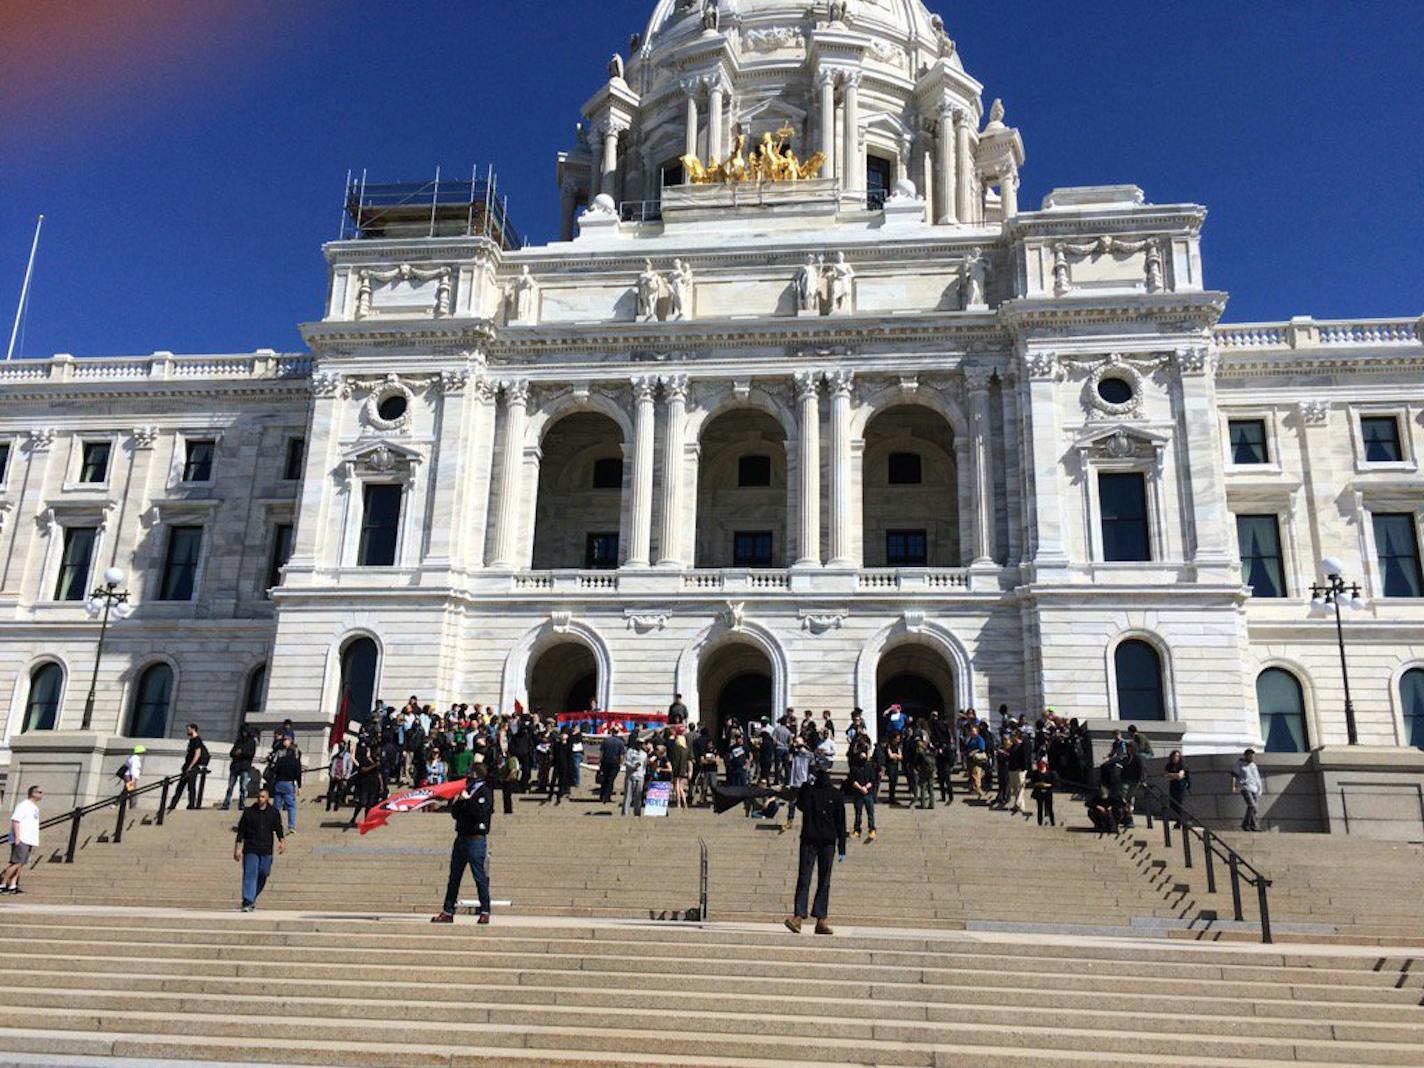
x,y
839,383
674,387
644,386
1196,360
807,383
612,127
1042,365
716,82
486,391
826,76
976,379
851,79
516,390
692,87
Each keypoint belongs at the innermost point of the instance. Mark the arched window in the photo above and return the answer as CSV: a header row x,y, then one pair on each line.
x,y
256,694
1139,681
42,708
1281,703
1411,699
358,678
149,716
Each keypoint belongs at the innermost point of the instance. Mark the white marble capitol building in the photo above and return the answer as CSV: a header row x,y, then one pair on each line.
x,y
881,431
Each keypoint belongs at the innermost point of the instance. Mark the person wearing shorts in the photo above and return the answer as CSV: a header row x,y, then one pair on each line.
x,y
24,839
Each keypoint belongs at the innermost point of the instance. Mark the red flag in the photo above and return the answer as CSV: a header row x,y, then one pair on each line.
x,y
343,716
518,708
410,801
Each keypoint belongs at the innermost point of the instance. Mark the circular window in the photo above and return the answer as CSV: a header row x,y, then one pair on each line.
x,y
391,407
1115,390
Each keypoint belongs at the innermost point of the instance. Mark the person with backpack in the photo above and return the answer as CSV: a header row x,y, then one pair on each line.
x,y
195,764
509,773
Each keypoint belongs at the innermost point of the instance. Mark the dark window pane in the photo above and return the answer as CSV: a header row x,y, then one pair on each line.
x,y
1397,544
754,471
904,469
1123,500
95,465
1259,537
281,553
751,548
74,564
358,677
149,716
380,523
1381,435
4,460
180,564
296,458
1411,698
877,181
601,552
1248,441
1115,390
608,473
198,462
1139,681
42,708
256,694
1282,707
906,548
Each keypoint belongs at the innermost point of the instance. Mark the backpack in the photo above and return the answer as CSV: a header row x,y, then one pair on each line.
x,y
203,756
509,770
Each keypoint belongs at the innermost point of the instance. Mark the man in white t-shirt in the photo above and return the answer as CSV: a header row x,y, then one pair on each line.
x,y
24,839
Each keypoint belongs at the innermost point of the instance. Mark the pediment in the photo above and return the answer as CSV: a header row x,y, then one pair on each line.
x,y
381,455
1122,441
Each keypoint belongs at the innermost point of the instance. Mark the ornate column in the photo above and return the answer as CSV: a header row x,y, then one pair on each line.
x,y
566,211
851,152
1043,455
1009,192
976,380
842,508
715,90
826,83
689,88
809,433
964,168
608,180
944,180
641,519
447,512
1213,541
511,469
670,533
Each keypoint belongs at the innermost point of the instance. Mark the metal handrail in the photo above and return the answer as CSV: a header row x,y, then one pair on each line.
x,y
704,871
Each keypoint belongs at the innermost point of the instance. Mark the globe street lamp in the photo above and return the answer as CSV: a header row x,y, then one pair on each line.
x,y
1333,593
102,601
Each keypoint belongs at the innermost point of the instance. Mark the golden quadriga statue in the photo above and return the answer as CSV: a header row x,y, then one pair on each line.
x,y
771,161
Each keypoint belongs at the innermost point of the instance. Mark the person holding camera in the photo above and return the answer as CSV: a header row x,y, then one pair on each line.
x,y
473,811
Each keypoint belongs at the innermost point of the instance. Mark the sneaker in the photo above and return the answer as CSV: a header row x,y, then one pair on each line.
x,y
249,908
855,833
793,924
484,918
16,890
442,917
823,928
870,837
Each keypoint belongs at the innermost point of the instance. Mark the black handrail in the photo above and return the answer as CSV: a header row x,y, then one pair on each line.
x,y
122,800
703,873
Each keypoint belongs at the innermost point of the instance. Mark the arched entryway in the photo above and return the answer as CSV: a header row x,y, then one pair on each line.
x,y
359,659
563,678
742,491
734,682
909,490
917,678
579,511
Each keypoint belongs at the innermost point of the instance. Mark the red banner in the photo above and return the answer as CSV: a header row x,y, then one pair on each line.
x,y
411,801
602,722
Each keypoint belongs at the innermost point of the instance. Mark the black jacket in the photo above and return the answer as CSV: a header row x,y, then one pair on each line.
x,y
243,752
473,814
1021,756
257,827
823,810
287,767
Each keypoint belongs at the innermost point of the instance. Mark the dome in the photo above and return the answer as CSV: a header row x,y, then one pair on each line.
x,y
907,19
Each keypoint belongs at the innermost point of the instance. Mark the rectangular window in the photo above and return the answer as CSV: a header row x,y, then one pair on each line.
x,y
281,553
94,464
904,469
1381,437
380,524
608,473
296,459
1397,544
601,552
198,460
906,548
754,471
751,548
1248,441
180,564
1259,537
73,584
877,181
4,461
1122,499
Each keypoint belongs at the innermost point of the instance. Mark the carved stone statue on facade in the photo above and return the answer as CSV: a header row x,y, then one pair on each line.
x,y
836,11
973,276
615,67
650,290
808,286
521,298
841,281
679,283
711,15
1154,268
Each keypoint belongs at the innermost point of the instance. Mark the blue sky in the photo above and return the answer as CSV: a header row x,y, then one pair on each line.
x,y
189,156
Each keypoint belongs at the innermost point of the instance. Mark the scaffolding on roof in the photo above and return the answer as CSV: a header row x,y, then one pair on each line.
x,y
441,207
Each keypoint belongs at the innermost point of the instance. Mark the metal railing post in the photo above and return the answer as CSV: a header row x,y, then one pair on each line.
x,y
163,800
74,818
702,880
1235,886
1210,867
123,811
1186,846
202,784
1166,834
1261,884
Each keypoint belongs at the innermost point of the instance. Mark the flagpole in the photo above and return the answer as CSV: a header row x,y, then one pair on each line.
x,y
25,288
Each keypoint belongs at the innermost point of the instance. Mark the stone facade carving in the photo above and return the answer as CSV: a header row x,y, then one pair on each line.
x,y
808,286
40,440
679,290
840,277
144,436
1314,412
974,276
821,622
1197,360
522,298
773,39
647,622
404,272
649,290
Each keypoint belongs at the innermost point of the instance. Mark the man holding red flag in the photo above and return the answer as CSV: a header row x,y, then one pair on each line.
x,y
473,810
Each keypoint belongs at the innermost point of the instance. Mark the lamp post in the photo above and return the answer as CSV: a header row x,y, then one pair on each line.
x,y
1331,595
105,599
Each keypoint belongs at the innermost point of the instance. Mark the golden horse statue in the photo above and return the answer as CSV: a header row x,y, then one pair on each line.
x,y
773,161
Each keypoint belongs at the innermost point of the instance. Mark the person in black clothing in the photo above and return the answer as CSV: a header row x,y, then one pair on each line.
x,y
195,762
1042,782
256,828
1179,782
942,738
610,760
473,812
863,782
823,830
239,767
287,780
368,776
